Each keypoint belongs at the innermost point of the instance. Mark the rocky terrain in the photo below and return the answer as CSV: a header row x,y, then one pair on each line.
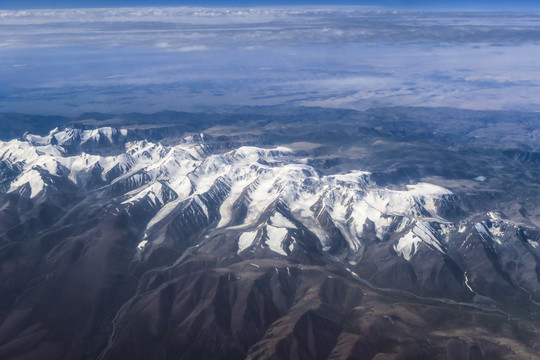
x,y
271,233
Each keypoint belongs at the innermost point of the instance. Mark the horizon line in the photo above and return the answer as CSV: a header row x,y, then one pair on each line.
x,y
296,6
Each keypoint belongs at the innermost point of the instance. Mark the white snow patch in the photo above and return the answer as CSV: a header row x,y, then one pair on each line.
x,y
403,224
467,282
246,240
407,245
497,234
275,238
237,188
425,232
278,220
182,191
154,192
199,202
33,179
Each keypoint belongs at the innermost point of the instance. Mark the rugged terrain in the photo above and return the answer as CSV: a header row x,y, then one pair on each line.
x,y
271,233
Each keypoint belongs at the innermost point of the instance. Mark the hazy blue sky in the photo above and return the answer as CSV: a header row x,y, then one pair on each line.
x,y
152,59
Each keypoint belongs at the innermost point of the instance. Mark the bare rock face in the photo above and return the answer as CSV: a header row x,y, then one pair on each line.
x,y
114,246
275,309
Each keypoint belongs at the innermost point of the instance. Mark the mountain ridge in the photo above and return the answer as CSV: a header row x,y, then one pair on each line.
x,y
170,221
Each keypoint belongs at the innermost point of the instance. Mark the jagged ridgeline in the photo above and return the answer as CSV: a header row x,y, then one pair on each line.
x,y
272,233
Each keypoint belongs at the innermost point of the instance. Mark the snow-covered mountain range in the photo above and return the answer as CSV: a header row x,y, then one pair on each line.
x,y
269,198
251,203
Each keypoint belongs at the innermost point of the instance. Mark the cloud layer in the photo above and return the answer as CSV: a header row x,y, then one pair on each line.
x,y
148,59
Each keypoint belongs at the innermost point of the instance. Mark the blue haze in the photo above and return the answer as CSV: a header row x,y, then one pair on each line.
x,y
152,59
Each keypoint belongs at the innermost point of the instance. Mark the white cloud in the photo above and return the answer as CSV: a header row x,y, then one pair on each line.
x,y
193,48
179,27
317,56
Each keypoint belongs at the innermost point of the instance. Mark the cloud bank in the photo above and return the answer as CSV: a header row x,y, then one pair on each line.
x,y
150,59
